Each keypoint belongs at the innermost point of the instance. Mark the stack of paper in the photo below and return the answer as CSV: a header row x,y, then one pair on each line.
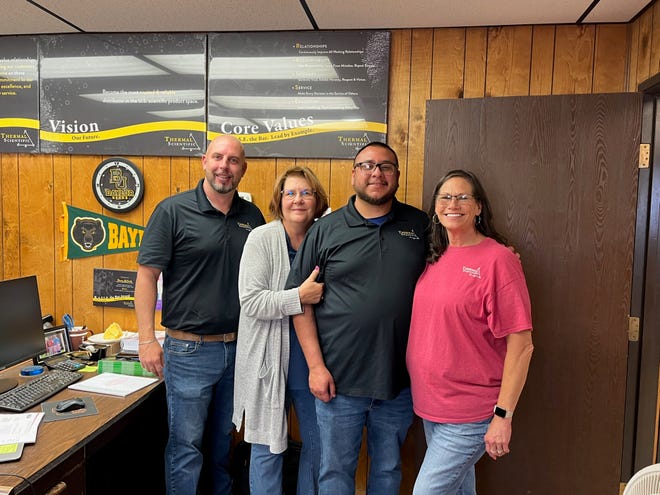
x,y
20,428
113,384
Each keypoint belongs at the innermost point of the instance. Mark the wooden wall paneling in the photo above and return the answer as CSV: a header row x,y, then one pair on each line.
x,y
633,61
412,172
37,224
574,55
124,316
284,163
195,172
181,169
610,58
62,187
11,225
543,54
83,311
158,173
476,48
340,188
258,181
448,63
509,61
398,113
654,41
643,55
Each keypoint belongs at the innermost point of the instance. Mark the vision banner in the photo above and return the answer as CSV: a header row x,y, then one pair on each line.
x,y
19,95
123,94
91,234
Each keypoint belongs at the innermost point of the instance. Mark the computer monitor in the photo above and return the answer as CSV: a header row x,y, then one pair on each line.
x,y
21,330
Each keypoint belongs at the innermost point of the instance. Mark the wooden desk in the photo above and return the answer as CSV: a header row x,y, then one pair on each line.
x,y
94,455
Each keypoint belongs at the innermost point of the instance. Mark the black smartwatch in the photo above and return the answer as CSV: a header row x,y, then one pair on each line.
x,y
502,413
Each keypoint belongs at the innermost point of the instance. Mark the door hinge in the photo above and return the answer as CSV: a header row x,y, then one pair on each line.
x,y
633,329
644,155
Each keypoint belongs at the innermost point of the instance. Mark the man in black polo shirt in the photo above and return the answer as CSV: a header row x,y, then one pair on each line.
x,y
371,253
195,239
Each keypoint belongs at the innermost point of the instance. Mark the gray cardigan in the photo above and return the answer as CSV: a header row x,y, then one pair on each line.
x,y
262,349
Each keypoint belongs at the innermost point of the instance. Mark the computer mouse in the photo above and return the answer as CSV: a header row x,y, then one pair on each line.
x,y
68,405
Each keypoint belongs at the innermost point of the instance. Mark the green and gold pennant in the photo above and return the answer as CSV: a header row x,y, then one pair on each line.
x,y
90,234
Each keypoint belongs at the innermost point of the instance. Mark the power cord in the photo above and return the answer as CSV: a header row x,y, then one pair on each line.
x,y
24,479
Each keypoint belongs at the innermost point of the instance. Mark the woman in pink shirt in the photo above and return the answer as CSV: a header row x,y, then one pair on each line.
x,y
470,339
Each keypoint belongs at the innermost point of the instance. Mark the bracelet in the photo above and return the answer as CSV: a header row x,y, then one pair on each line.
x,y
147,342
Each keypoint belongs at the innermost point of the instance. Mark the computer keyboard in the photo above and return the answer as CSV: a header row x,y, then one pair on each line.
x,y
31,393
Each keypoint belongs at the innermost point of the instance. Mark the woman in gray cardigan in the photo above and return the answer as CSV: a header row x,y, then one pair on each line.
x,y
271,371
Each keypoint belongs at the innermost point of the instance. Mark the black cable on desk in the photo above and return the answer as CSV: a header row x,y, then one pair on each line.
x,y
23,478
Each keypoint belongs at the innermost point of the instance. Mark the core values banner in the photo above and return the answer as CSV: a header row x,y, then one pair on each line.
x,y
299,94
19,94
123,94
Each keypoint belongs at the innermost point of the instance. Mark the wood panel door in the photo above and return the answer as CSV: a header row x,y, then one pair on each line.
x,y
561,173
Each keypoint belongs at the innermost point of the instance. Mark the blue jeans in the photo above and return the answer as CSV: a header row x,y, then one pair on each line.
x,y
199,381
341,422
266,467
451,453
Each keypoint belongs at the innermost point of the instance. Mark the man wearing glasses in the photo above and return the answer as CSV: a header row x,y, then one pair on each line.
x,y
370,253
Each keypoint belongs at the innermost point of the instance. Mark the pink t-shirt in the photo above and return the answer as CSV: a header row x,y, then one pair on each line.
x,y
465,305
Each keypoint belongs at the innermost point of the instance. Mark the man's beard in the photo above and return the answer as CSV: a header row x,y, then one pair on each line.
x,y
224,188
375,201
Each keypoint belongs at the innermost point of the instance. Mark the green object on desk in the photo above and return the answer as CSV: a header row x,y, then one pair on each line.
x,y
123,367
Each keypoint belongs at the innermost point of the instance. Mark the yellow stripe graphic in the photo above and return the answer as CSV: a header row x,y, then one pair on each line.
x,y
19,122
339,126
130,130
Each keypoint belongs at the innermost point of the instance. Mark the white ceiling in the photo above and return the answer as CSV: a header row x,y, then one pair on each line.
x,y
70,16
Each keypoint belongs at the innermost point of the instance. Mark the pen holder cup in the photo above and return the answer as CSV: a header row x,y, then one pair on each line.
x,y
77,336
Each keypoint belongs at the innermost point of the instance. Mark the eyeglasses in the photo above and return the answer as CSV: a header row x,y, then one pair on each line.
x,y
304,194
445,199
386,168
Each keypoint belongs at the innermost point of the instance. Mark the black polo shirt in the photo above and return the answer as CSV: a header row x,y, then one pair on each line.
x,y
198,249
370,272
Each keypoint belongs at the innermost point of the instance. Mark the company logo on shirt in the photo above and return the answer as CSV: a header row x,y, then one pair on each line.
x,y
410,235
472,272
245,226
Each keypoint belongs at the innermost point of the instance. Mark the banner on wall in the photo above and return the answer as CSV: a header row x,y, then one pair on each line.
x,y
89,234
19,95
319,94
123,94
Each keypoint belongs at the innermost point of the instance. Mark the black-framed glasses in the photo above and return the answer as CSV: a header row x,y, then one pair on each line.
x,y
445,199
386,168
291,194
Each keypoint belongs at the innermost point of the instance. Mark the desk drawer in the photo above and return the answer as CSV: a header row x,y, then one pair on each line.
x,y
64,478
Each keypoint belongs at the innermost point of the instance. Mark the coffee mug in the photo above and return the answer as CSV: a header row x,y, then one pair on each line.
x,y
77,336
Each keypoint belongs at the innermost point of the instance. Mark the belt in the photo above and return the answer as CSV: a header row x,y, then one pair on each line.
x,y
219,337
